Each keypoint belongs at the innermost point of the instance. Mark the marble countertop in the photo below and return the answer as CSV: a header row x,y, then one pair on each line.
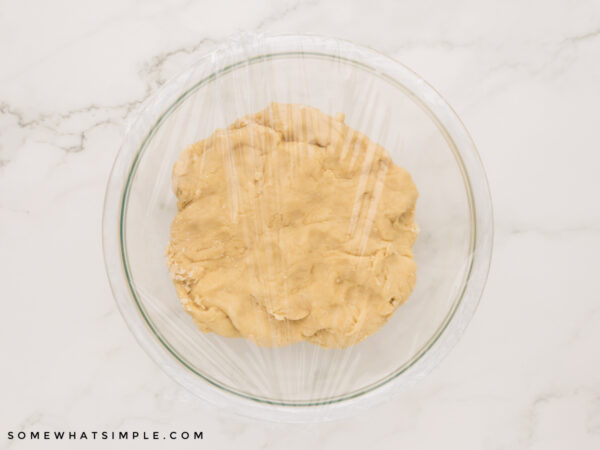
x,y
523,76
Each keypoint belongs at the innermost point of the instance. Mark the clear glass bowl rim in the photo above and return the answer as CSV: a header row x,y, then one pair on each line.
x,y
440,113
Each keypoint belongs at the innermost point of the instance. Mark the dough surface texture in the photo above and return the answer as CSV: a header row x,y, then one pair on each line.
x,y
291,226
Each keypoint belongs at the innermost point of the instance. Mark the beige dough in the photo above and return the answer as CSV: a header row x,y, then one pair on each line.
x,y
292,226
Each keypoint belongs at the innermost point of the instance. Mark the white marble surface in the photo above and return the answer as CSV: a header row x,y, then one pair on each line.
x,y
524,77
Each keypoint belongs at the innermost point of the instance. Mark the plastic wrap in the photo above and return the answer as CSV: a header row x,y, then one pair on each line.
x,y
404,122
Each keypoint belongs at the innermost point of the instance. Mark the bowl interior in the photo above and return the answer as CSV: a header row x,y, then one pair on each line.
x,y
389,114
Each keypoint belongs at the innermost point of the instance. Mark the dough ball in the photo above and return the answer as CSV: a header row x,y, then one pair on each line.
x,y
292,226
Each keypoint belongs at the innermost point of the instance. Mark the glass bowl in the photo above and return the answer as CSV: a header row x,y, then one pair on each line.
x,y
379,97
